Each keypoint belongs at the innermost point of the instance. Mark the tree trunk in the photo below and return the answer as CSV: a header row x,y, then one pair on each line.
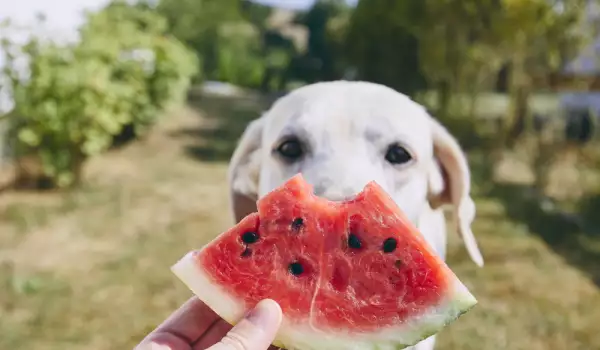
x,y
29,174
443,99
265,85
518,115
77,167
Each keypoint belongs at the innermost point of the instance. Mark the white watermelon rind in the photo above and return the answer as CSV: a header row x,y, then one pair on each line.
x,y
294,336
227,307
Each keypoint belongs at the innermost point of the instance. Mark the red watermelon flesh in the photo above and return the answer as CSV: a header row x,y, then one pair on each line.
x,y
348,275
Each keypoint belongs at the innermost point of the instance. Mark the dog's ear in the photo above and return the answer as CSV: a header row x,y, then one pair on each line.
x,y
244,171
450,184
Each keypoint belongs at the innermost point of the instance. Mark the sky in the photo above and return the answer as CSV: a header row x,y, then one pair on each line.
x,y
62,15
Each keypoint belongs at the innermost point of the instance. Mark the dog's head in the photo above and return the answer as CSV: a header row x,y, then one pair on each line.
x,y
341,135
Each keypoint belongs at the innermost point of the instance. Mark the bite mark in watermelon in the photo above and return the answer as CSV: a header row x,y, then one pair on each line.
x,y
347,275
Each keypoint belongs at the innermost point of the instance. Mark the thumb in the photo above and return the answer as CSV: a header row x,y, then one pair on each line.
x,y
256,331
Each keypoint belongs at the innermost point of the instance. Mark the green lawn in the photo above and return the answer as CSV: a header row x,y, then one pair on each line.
x,y
90,269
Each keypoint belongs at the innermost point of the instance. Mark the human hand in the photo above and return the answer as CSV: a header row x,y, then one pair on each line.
x,y
194,326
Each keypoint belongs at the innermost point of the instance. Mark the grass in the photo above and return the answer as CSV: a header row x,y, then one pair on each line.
x,y
90,269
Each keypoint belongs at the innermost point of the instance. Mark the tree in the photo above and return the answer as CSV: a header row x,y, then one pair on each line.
x,y
256,13
454,49
197,23
537,37
382,45
230,36
276,51
456,45
413,44
239,55
324,53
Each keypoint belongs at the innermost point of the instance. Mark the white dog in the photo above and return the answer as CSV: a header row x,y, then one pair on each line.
x,y
341,135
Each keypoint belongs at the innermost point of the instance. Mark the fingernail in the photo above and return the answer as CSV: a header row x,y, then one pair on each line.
x,y
266,314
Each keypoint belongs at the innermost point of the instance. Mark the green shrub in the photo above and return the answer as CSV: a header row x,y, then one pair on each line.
x,y
158,66
75,98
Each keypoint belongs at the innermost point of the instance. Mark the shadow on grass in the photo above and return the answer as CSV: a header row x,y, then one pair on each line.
x,y
225,119
573,237
589,208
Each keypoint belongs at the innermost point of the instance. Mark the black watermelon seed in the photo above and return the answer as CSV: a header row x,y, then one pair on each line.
x,y
250,237
296,268
354,241
389,245
297,223
398,263
246,253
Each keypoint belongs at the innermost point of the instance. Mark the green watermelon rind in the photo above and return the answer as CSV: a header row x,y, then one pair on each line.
x,y
300,335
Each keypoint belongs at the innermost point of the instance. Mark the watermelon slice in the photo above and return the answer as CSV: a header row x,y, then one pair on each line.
x,y
347,275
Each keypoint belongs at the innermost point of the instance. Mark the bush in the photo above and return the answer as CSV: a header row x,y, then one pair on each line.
x,y
156,65
72,99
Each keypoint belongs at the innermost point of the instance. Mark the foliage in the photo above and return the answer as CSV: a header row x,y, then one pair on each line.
x,y
459,45
156,65
256,13
410,45
276,50
237,43
228,35
382,46
537,37
73,98
323,60
197,23
239,55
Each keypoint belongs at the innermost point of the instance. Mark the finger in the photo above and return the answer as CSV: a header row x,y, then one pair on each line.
x,y
213,335
218,330
256,331
188,323
164,341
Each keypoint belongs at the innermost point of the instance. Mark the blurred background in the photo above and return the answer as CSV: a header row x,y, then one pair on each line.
x,y
117,120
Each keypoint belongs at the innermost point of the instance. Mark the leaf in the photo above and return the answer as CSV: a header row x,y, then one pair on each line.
x,y
29,137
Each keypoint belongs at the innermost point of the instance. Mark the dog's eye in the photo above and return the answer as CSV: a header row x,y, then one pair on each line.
x,y
291,149
397,154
